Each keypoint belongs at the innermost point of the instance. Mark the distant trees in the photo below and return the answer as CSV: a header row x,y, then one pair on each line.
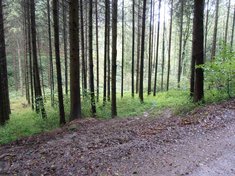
x,y
147,50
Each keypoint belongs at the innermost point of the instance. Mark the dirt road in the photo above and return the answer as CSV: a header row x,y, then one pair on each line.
x,y
200,144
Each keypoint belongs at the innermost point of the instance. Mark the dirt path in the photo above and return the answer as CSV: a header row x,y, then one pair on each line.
x,y
202,143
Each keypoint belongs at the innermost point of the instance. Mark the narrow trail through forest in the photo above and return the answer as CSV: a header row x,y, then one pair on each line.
x,y
200,143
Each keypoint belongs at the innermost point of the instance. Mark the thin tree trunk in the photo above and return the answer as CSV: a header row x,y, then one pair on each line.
x,y
141,89
51,80
214,43
180,44
150,49
105,51
123,47
84,73
163,52
97,52
206,28
231,43
157,49
38,92
133,51
91,66
169,52
138,49
65,45
114,56
227,22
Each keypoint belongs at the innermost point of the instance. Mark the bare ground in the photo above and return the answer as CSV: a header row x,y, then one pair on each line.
x,y
200,144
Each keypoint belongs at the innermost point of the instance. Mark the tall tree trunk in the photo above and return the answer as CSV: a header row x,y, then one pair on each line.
x,y
133,51
38,92
84,73
233,25
75,99
91,66
206,28
157,49
197,49
51,80
65,45
97,52
163,52
141,89
227,22
41,68
138,48
180,44
58,65
106,46
30,57
150,49
123,48
114,56
214,43
20,66
4,94
169,52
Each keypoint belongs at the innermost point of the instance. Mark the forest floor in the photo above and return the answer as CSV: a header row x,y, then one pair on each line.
x,y
200,143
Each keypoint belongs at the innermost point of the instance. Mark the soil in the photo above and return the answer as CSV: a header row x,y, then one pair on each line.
x,y
201,143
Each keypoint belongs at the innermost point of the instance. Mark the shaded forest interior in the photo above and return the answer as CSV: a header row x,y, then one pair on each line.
x,y
62,60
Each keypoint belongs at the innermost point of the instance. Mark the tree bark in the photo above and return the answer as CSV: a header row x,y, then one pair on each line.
x,y
91,66
114,57
197,49
58,65
75,99
141,89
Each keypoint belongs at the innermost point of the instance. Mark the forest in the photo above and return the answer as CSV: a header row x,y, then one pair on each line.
x,y
65,63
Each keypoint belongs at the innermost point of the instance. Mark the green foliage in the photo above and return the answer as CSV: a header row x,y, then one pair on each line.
x,y
220,73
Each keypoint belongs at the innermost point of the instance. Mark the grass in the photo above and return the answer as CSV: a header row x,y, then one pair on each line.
x,y
24,122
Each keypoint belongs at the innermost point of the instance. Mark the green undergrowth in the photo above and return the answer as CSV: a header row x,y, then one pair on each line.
x,y
24,122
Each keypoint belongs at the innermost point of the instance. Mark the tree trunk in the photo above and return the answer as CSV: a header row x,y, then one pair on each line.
x,y
114,57
97,52
65,45
141,89
123,48
58,66
51,80
169,52
75,98
180,44
37,86
157,49
150,49
214,43
106,46
4,94
231,43
84,73
133,51
227,22
91,66
197,49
